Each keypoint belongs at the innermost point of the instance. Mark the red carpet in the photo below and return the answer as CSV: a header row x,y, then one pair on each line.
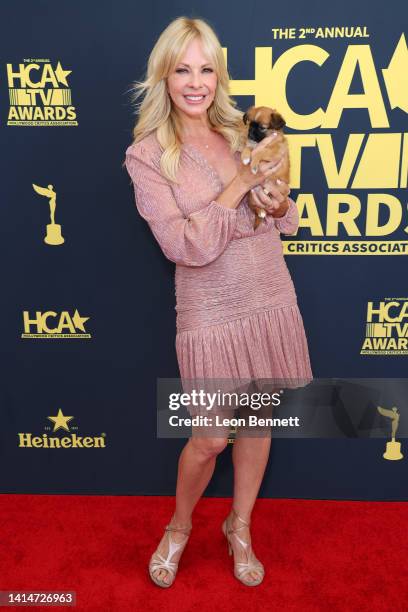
x,y
318,555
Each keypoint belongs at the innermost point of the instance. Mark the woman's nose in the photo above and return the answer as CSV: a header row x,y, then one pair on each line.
x,y
196,79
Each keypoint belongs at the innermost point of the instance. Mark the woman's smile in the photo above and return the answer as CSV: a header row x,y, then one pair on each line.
x,y
191,99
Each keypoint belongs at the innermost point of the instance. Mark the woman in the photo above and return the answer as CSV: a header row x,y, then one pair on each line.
x,y
237,312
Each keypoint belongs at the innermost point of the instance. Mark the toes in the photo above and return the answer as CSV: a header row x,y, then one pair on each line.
x,y
161,575
252,576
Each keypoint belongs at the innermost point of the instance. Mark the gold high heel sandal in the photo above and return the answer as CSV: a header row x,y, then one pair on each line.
x,y
157,561
240,567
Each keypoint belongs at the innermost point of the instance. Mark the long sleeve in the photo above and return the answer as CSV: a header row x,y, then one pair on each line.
x,y
195,240
289,223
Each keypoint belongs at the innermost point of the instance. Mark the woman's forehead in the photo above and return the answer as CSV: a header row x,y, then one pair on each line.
x,y
194,53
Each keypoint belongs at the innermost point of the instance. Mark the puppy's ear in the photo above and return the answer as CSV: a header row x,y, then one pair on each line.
x,y
277,121
245,118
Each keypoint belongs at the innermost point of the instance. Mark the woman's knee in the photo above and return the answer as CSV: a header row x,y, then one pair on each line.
x,y
209,446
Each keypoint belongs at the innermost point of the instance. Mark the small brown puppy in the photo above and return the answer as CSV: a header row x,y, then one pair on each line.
x,y
260,122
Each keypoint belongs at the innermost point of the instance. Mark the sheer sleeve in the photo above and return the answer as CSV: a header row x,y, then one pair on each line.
x,y
289,223
195,240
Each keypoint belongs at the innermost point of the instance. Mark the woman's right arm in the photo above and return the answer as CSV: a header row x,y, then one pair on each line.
x,y
195,240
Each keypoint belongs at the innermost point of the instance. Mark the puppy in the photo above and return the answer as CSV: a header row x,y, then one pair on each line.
x,y
258,123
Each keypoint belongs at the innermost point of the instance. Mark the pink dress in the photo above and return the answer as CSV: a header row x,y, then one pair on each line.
x,y
237,312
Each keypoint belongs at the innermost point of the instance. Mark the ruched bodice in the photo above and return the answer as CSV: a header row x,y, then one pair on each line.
x,y
250,275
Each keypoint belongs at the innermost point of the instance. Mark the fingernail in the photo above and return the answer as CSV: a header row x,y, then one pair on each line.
x,y
279,181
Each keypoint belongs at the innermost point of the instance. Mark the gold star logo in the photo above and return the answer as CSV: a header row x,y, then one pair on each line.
x,y
79,321
62,74
60,421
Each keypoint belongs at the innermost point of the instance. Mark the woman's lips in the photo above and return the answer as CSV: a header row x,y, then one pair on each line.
x,y
194,101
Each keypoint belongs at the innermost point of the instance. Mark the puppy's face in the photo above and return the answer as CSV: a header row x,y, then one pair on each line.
x,y
261,121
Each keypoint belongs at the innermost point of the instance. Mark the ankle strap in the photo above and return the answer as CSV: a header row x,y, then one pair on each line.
x,y
171,528
247,524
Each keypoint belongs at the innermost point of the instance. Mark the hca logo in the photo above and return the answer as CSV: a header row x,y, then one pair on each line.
x,y
386,328
51,324
39,94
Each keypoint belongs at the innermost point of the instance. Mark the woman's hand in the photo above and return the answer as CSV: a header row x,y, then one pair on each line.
x,y
266,169
272,196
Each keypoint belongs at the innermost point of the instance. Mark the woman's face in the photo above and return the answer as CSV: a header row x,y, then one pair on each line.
x,y
194,75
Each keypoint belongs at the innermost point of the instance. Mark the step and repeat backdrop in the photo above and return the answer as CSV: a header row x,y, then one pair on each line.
x,y
87,308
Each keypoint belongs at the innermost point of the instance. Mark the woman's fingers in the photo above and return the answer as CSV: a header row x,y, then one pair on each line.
x,y
278,188
262,200
270,169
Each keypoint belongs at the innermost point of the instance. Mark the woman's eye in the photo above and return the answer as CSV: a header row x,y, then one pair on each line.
x,y
184,69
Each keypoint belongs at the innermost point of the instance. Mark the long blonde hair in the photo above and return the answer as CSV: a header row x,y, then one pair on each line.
x,y
156,113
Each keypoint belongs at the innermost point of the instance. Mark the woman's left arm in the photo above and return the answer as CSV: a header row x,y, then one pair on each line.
x,y
274,198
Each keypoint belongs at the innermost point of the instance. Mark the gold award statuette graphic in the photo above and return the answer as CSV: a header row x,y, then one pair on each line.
x,y
53,235
393,451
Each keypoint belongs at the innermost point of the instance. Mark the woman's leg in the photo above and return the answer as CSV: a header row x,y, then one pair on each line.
x,y
250,455
195,467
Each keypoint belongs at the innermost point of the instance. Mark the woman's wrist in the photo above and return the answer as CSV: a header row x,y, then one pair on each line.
x,y
233,193
240,186
282,210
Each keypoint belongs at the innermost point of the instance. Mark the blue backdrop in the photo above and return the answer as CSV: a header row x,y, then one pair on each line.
x,y
88,325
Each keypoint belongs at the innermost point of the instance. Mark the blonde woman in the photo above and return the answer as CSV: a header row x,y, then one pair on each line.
x,y
237,311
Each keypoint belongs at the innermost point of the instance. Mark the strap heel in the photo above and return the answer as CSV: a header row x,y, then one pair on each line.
x,y
157,561
252,564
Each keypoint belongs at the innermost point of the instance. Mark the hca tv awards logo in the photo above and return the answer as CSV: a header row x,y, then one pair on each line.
x,y
52,324
357,215
39,94
72,440
386,327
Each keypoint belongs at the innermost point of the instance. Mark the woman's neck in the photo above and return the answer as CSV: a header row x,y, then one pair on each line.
x,y
200,136
198,133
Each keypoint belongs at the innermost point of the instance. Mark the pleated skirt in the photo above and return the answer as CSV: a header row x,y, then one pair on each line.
x,y
269,348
